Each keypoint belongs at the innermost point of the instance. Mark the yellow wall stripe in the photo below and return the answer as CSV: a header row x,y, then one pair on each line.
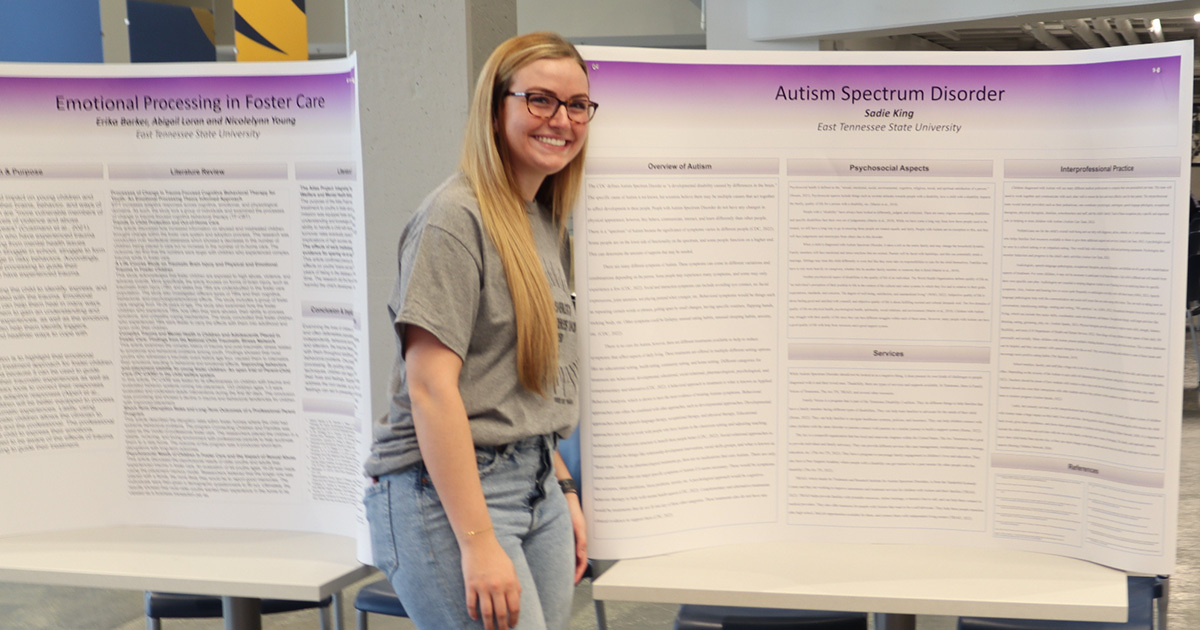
x,y
279,22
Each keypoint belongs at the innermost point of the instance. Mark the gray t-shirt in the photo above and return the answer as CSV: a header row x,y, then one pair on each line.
x,y
452,283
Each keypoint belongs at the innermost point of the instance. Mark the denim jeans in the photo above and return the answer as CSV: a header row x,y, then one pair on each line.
x,y
415,547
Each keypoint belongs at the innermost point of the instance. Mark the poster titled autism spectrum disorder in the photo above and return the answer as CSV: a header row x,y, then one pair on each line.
x,y
901,297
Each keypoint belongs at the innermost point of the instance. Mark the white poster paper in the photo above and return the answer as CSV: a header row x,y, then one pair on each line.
x,y
913,297
182,278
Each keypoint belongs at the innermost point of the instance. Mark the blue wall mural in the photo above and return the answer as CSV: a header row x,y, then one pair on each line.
x,y
50,30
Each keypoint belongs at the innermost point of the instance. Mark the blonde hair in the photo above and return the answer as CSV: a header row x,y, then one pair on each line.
x,y
485,163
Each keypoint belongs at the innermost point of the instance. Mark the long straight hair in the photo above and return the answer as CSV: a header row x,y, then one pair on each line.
x,y
486,164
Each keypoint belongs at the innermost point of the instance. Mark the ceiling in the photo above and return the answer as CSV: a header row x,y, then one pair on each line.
x,y
1072,34
1067,34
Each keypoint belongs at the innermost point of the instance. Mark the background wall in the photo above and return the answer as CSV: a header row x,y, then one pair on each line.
x,y
50,30
327,29
166,33
800,24
616,22
770,20
416,64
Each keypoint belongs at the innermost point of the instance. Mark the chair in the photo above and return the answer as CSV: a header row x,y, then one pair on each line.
x,y
161,606
696,617
1143,592
379,598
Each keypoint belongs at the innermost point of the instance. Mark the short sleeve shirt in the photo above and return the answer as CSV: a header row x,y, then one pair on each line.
x,y
452,283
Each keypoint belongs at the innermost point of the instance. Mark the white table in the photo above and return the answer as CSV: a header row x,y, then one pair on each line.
x,y
241,566
900,581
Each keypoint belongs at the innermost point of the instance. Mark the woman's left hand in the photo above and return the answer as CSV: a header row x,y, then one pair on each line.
x,y
580,527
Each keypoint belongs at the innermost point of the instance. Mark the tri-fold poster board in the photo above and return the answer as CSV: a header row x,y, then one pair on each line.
x,y
182,296
901,297
885,297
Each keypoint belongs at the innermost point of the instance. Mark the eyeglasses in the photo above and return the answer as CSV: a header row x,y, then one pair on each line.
x,y
579,110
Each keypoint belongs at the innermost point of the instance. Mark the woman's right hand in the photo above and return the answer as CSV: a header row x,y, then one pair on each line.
x,y
444,437
493,592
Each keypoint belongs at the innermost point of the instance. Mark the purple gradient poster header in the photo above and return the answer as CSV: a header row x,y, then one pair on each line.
x,y
981,98
234,97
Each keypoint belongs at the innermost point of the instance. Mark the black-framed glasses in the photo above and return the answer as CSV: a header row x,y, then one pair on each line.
x,y
542,105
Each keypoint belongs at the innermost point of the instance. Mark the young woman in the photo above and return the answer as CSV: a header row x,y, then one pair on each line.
x,y
474,517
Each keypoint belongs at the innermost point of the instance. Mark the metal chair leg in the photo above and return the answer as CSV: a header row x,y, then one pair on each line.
x,y
1165,584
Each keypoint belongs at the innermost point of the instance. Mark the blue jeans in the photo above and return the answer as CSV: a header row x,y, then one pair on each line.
x,y
415,547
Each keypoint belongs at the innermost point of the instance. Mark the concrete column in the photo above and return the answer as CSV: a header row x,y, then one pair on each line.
x,y
416,63
115,31
489,23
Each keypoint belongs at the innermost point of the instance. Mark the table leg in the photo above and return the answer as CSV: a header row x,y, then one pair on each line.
x,y
242,613
332,618
889,621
